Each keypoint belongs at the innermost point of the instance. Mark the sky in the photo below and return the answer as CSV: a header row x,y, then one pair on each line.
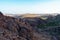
x,y
29,6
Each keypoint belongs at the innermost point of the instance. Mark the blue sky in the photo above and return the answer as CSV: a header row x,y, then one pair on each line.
x,y
30,6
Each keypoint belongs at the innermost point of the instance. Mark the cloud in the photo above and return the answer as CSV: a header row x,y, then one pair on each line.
x,y
43,7
49,7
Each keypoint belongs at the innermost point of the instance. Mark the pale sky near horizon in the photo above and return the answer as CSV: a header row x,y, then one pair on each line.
x,y
30,6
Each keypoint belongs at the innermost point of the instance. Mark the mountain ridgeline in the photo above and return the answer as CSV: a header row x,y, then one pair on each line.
x,y
29,28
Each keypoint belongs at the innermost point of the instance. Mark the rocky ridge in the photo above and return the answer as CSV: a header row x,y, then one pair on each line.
x,y
21,29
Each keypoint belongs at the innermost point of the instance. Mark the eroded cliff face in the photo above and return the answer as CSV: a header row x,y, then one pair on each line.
x,y
18,29
14,29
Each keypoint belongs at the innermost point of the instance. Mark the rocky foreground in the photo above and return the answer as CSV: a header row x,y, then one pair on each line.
x,y
21,29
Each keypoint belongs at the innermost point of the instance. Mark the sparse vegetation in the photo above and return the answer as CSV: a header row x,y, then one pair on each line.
x,y
50,24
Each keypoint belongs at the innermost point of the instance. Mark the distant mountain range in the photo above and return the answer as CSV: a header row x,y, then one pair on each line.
x,y
31,15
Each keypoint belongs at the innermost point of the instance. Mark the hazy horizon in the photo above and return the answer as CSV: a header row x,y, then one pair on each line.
x,y
29,6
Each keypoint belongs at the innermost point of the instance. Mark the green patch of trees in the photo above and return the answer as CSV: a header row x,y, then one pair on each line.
x,y
48,24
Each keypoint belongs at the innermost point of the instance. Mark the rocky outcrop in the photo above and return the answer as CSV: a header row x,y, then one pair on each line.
x,y
21,29
13,29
